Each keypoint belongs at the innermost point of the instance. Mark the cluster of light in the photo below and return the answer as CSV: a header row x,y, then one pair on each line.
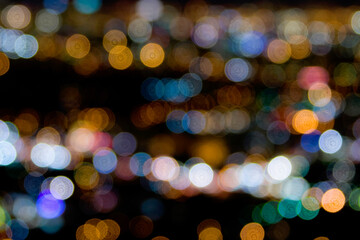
x,y
279,168
201,175
154,24
48,206
205,45
172,90
61,187
252,231
95,228
152,55
120,57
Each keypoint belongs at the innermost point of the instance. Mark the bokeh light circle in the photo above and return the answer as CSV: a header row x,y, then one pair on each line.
x,y
61,187
152,55
201,175
120,57
333,200
238,70
330,141
252,231
279,168
48,206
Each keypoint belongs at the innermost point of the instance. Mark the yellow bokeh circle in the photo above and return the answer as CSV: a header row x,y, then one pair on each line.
x,y
4,64
152,55
114,38
120,57
77,46
305,121
252,231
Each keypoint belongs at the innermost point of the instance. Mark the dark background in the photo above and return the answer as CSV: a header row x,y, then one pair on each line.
x,y
37,85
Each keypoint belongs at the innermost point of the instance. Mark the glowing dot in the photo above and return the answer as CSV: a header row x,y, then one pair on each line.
x,y
279,168
330,141
305,121
24,209
42,155
4,63
252,231
165,168
190,84
278,51
193,122
174,121
251,44
307,214
172,92
201,175
47,21
210,233
149,9
205,35
269,212
124,143
48,135
120,57
16,16
310,142
333,200
77,46
294,187
62,157
238,70
182,180
114,38
138,163
105,161
49,207
289,208
61,187
251,175
81,139
113,229
139,30
26,46
95,228
319,94
7,41
308,76
238,120
152,55
310,203
87,6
